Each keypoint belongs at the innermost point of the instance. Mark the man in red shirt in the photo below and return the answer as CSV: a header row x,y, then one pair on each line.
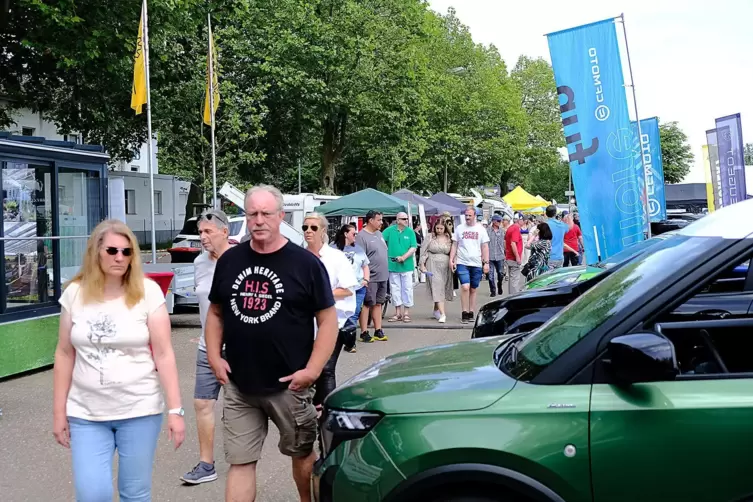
x,y
514,255
573,241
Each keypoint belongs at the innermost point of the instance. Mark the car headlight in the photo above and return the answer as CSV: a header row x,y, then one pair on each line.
x,y
342,425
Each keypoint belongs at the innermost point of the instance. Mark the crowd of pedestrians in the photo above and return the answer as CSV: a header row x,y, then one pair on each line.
x,y
271,333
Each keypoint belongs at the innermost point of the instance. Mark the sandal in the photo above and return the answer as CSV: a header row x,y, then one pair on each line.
x,y
395,318
406,318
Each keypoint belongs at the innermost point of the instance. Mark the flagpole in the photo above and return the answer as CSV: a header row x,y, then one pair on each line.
x,y
640,133
211,110
150,167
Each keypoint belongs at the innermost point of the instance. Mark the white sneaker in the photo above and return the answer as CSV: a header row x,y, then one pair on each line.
x,y
442,319
437,314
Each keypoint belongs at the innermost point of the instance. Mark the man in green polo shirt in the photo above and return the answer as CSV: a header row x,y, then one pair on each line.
x,y
401,246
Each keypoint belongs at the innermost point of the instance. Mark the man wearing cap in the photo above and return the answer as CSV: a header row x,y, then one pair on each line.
x,y
213,231
496,255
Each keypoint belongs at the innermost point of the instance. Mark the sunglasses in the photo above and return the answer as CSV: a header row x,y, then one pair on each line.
x,y
113,251
210,216
314,228
403,219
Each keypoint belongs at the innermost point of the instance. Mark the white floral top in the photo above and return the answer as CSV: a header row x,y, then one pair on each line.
x,y
114,376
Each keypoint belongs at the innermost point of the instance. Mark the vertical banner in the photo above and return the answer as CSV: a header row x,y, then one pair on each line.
x,y
600,143
729,138
716,181
651,152
709,184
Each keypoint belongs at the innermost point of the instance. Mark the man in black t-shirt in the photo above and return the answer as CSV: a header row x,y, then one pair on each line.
x,y
265,297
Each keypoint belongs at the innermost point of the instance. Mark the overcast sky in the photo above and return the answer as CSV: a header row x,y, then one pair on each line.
x,y
692,60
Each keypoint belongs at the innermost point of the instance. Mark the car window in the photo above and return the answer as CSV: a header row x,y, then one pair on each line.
x,y
731,280
235,227
190,227
626,285
712,351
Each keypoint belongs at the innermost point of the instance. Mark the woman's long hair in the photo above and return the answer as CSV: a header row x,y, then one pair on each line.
x,y
446,232
90,277
340,236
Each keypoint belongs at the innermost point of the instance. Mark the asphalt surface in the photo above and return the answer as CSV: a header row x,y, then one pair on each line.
x,y
34,468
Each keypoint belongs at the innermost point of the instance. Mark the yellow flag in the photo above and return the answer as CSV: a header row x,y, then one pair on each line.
x,y
211,77
138,93
709,182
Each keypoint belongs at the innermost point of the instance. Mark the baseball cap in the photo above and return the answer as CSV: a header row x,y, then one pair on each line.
x,y
496,217
565,213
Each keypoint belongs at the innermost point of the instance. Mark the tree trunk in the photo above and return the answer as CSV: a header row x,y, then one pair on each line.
x,y
332,148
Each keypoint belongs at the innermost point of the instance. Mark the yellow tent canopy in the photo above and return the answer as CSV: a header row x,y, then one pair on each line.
x,y
520,200
543,200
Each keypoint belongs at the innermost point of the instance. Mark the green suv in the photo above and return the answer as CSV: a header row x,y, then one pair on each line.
x,y
616,398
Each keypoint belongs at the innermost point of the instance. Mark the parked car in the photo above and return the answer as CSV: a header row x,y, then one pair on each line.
x,y
530,309
632,392
580,273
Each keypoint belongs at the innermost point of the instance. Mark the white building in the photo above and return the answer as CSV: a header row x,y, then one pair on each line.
x,y
29,123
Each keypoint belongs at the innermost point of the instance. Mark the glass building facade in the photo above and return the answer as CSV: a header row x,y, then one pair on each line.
x,y
53,193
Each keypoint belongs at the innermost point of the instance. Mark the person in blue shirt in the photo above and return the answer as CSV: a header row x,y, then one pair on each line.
x,y
559,229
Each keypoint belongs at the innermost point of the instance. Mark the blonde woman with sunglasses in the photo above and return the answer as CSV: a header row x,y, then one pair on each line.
x,y
114,335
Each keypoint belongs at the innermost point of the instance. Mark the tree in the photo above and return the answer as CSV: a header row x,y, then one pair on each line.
x,y
748,151
676,152
541,167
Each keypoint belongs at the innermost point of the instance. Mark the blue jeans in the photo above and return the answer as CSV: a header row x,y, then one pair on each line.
x,y
92,447
496,275
360,295
470,274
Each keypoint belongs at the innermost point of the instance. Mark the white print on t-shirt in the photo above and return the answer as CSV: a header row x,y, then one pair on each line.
x,y
257,295
101,328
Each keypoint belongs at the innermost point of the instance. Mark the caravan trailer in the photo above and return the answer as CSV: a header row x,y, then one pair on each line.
x,y
296,206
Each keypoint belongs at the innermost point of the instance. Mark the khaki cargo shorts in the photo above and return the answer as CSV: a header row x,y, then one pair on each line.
x,y
245,420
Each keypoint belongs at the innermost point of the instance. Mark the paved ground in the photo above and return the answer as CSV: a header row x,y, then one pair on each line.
x,y
35,468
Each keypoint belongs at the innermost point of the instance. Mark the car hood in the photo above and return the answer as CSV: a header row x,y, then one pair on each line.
x,y
454,377
565,275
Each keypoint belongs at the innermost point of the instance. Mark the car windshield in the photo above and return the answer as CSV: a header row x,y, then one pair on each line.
x,y
598,305
628,253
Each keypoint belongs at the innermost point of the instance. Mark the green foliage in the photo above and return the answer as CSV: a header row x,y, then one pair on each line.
x,y
379,93
676,152
748,153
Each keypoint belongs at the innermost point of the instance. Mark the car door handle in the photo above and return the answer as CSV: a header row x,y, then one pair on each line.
x,y
714,314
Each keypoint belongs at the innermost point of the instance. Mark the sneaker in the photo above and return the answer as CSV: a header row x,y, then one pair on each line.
x,y
351,350
492,295
202,473
437,314
366,337
442,319
464,318
380,336
470,316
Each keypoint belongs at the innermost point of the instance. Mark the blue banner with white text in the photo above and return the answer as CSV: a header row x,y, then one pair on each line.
x,y
652,160
603,151
729,138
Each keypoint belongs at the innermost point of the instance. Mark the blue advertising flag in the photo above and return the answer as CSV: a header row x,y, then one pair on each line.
x,y
651,151
603,151
731,159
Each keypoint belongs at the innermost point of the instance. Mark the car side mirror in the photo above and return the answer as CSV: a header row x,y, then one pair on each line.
x,y
642,357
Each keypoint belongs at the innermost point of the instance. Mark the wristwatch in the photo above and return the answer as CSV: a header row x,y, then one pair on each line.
x,y
176,411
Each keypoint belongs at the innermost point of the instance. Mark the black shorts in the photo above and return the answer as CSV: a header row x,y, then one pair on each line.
x,y
376,293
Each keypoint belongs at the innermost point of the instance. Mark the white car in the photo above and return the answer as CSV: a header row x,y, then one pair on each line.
x,y
188,238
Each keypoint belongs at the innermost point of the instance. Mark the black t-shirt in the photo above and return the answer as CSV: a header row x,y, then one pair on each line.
x,y
268,305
